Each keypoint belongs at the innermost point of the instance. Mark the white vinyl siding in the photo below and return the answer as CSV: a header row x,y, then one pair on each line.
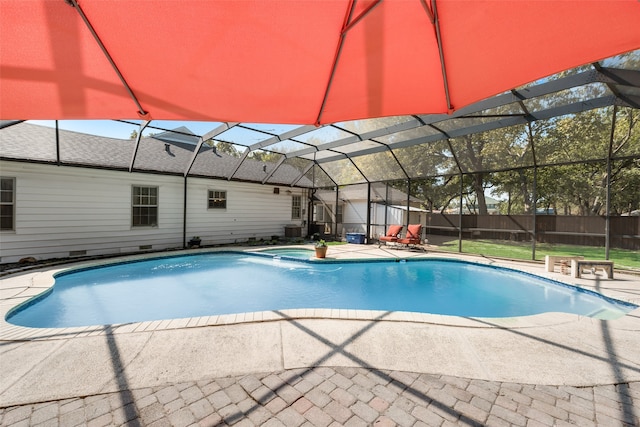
x,y
254,212
61,209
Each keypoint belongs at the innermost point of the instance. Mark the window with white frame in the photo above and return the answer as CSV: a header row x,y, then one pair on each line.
x,y
217,199
296,207
144,206
7,203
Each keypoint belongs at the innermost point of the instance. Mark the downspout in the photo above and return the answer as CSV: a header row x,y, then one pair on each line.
x,y
57,145
184,214
310,196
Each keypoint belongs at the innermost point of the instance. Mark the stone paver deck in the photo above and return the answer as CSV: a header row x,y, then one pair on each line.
x,y
326,368
340,396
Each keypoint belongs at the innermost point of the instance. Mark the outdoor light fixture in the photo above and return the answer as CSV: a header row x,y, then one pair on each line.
x,y
264,168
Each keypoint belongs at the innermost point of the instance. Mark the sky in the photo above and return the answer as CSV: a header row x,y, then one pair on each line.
x,y
238,135
114,129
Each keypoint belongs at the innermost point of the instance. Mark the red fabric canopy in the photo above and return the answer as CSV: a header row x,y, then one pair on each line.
x,y
285,61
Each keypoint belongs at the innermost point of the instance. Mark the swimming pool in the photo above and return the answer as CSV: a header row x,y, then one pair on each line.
x,y
224,283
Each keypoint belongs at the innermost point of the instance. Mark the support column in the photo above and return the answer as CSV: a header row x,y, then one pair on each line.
x,y
335,214
607,223
534,234
535,208
386,209
368,229
455,157
460,214
408,202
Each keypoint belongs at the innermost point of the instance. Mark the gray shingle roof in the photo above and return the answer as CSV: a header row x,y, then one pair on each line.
x,y
163,153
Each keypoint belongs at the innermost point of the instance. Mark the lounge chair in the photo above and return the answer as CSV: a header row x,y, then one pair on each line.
x,y
393,233
412,237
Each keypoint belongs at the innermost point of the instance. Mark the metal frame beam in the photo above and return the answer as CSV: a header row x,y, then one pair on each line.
x,y
617,77
576,107
621,82
207,136
143,125
277,165
8,123
303,173
388,130
141,111
542,89
275,138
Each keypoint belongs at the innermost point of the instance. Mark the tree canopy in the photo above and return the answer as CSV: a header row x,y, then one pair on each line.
x,y
565,156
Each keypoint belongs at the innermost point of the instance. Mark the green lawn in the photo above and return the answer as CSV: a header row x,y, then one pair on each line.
x,y
519,250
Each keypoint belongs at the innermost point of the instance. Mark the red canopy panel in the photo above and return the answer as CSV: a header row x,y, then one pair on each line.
x,y
510,43
389,62
283,61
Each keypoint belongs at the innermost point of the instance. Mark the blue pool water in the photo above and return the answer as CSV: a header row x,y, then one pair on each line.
x,y
224,283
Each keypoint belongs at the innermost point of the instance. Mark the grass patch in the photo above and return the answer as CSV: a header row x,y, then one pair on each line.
x,y
622,258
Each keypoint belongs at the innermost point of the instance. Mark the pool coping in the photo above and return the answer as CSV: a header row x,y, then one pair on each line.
x,y
43,279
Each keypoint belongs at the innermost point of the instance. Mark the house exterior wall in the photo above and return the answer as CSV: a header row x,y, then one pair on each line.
x,y
394,215
253,211
378,228
354,216
69,211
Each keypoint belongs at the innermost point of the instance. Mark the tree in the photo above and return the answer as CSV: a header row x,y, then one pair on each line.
x,y
227,148
582,139
479,153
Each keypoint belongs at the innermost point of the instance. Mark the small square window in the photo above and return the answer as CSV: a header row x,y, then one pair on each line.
x,y
217,199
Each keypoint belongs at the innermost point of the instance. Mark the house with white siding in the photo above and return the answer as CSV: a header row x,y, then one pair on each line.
x,y
66,194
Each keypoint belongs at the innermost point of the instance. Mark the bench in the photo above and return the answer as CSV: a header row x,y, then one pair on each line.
x,y
577,265
550,260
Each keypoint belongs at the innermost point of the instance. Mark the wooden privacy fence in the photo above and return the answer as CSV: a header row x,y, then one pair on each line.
x,y
570,230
